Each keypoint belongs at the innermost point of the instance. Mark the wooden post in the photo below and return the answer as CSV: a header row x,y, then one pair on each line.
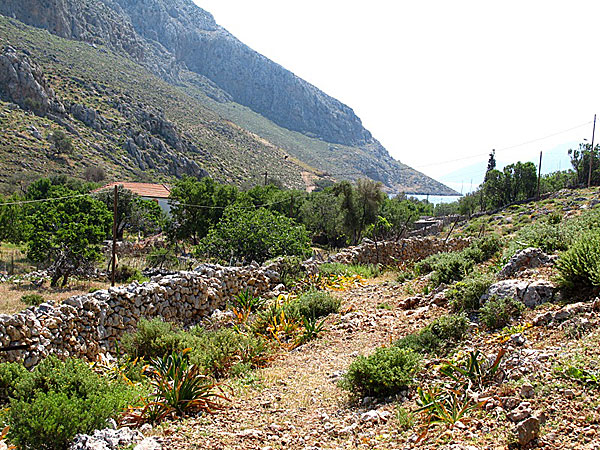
x,y
114,236
591,154
266,174
539,176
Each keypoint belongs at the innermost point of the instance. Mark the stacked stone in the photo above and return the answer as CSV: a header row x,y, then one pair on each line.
x,y
394,252
87,325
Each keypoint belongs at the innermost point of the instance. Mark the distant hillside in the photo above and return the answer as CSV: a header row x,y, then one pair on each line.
x,y
218,79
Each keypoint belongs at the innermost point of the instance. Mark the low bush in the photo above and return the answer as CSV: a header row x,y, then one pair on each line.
x,y
437,337
446,267
549,237
58,400
219,352
152,339
348,270
454,266
216,352
405,275
579,266
32,299
498,312
314,304
464,295
489,246
386,372
290,270
10,374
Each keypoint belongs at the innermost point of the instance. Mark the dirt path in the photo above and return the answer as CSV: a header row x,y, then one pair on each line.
x,y
296,403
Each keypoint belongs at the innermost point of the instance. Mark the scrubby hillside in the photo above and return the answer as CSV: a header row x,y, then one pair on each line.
x,y
118,115
222,81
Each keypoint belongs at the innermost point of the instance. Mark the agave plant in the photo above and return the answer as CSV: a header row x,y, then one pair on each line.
x,y
244,304
474,373
312,328
444,406
180,388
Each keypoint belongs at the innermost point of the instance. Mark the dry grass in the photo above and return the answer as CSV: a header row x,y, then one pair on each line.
x,y
11,293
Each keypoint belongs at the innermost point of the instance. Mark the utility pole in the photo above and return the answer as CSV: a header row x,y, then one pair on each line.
x,y
114,237
591,154
539,176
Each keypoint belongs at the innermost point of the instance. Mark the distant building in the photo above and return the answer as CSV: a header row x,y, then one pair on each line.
x,y
148,191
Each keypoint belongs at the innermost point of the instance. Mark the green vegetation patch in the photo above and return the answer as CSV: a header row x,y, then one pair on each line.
x,y
499,312
57,400
438,337
388,371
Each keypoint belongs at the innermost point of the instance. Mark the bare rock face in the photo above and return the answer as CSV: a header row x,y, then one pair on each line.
x,y
22,82
88,21
530,293
528,258
193,36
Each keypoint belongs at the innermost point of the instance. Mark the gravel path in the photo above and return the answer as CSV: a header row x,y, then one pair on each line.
x,y
295,403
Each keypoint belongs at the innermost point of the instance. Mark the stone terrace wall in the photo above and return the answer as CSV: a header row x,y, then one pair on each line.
x,y
87,325
390,253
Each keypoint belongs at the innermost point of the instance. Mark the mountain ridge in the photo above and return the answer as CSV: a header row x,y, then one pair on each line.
x,y
182,44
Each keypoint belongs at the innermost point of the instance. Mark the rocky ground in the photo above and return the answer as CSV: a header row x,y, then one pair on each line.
x,y
296,403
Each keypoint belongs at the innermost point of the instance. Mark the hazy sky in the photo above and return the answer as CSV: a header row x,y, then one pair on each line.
x,y
440,80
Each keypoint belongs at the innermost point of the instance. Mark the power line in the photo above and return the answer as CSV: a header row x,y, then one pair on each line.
x,y
42,200
52,199
459,159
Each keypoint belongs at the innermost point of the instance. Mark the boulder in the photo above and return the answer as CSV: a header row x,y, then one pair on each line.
x,y
530,293
528,258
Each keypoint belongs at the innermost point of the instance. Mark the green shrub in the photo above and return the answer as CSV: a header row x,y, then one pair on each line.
x,y
548,237
465,294
489,245
32,299
579,266
153,338
10,374
219,352
437,337
348,270
314,304
450,267
386,372
498,312
454,266
254,235
290,270
405,275
216,352
58,400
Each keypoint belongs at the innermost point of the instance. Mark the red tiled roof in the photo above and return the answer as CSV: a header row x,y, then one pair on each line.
x,y
142,189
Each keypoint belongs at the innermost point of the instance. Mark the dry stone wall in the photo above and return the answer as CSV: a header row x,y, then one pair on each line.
x,y
87,325
389,253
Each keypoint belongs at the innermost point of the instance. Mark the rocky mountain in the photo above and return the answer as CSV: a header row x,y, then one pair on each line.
x,y
181,44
